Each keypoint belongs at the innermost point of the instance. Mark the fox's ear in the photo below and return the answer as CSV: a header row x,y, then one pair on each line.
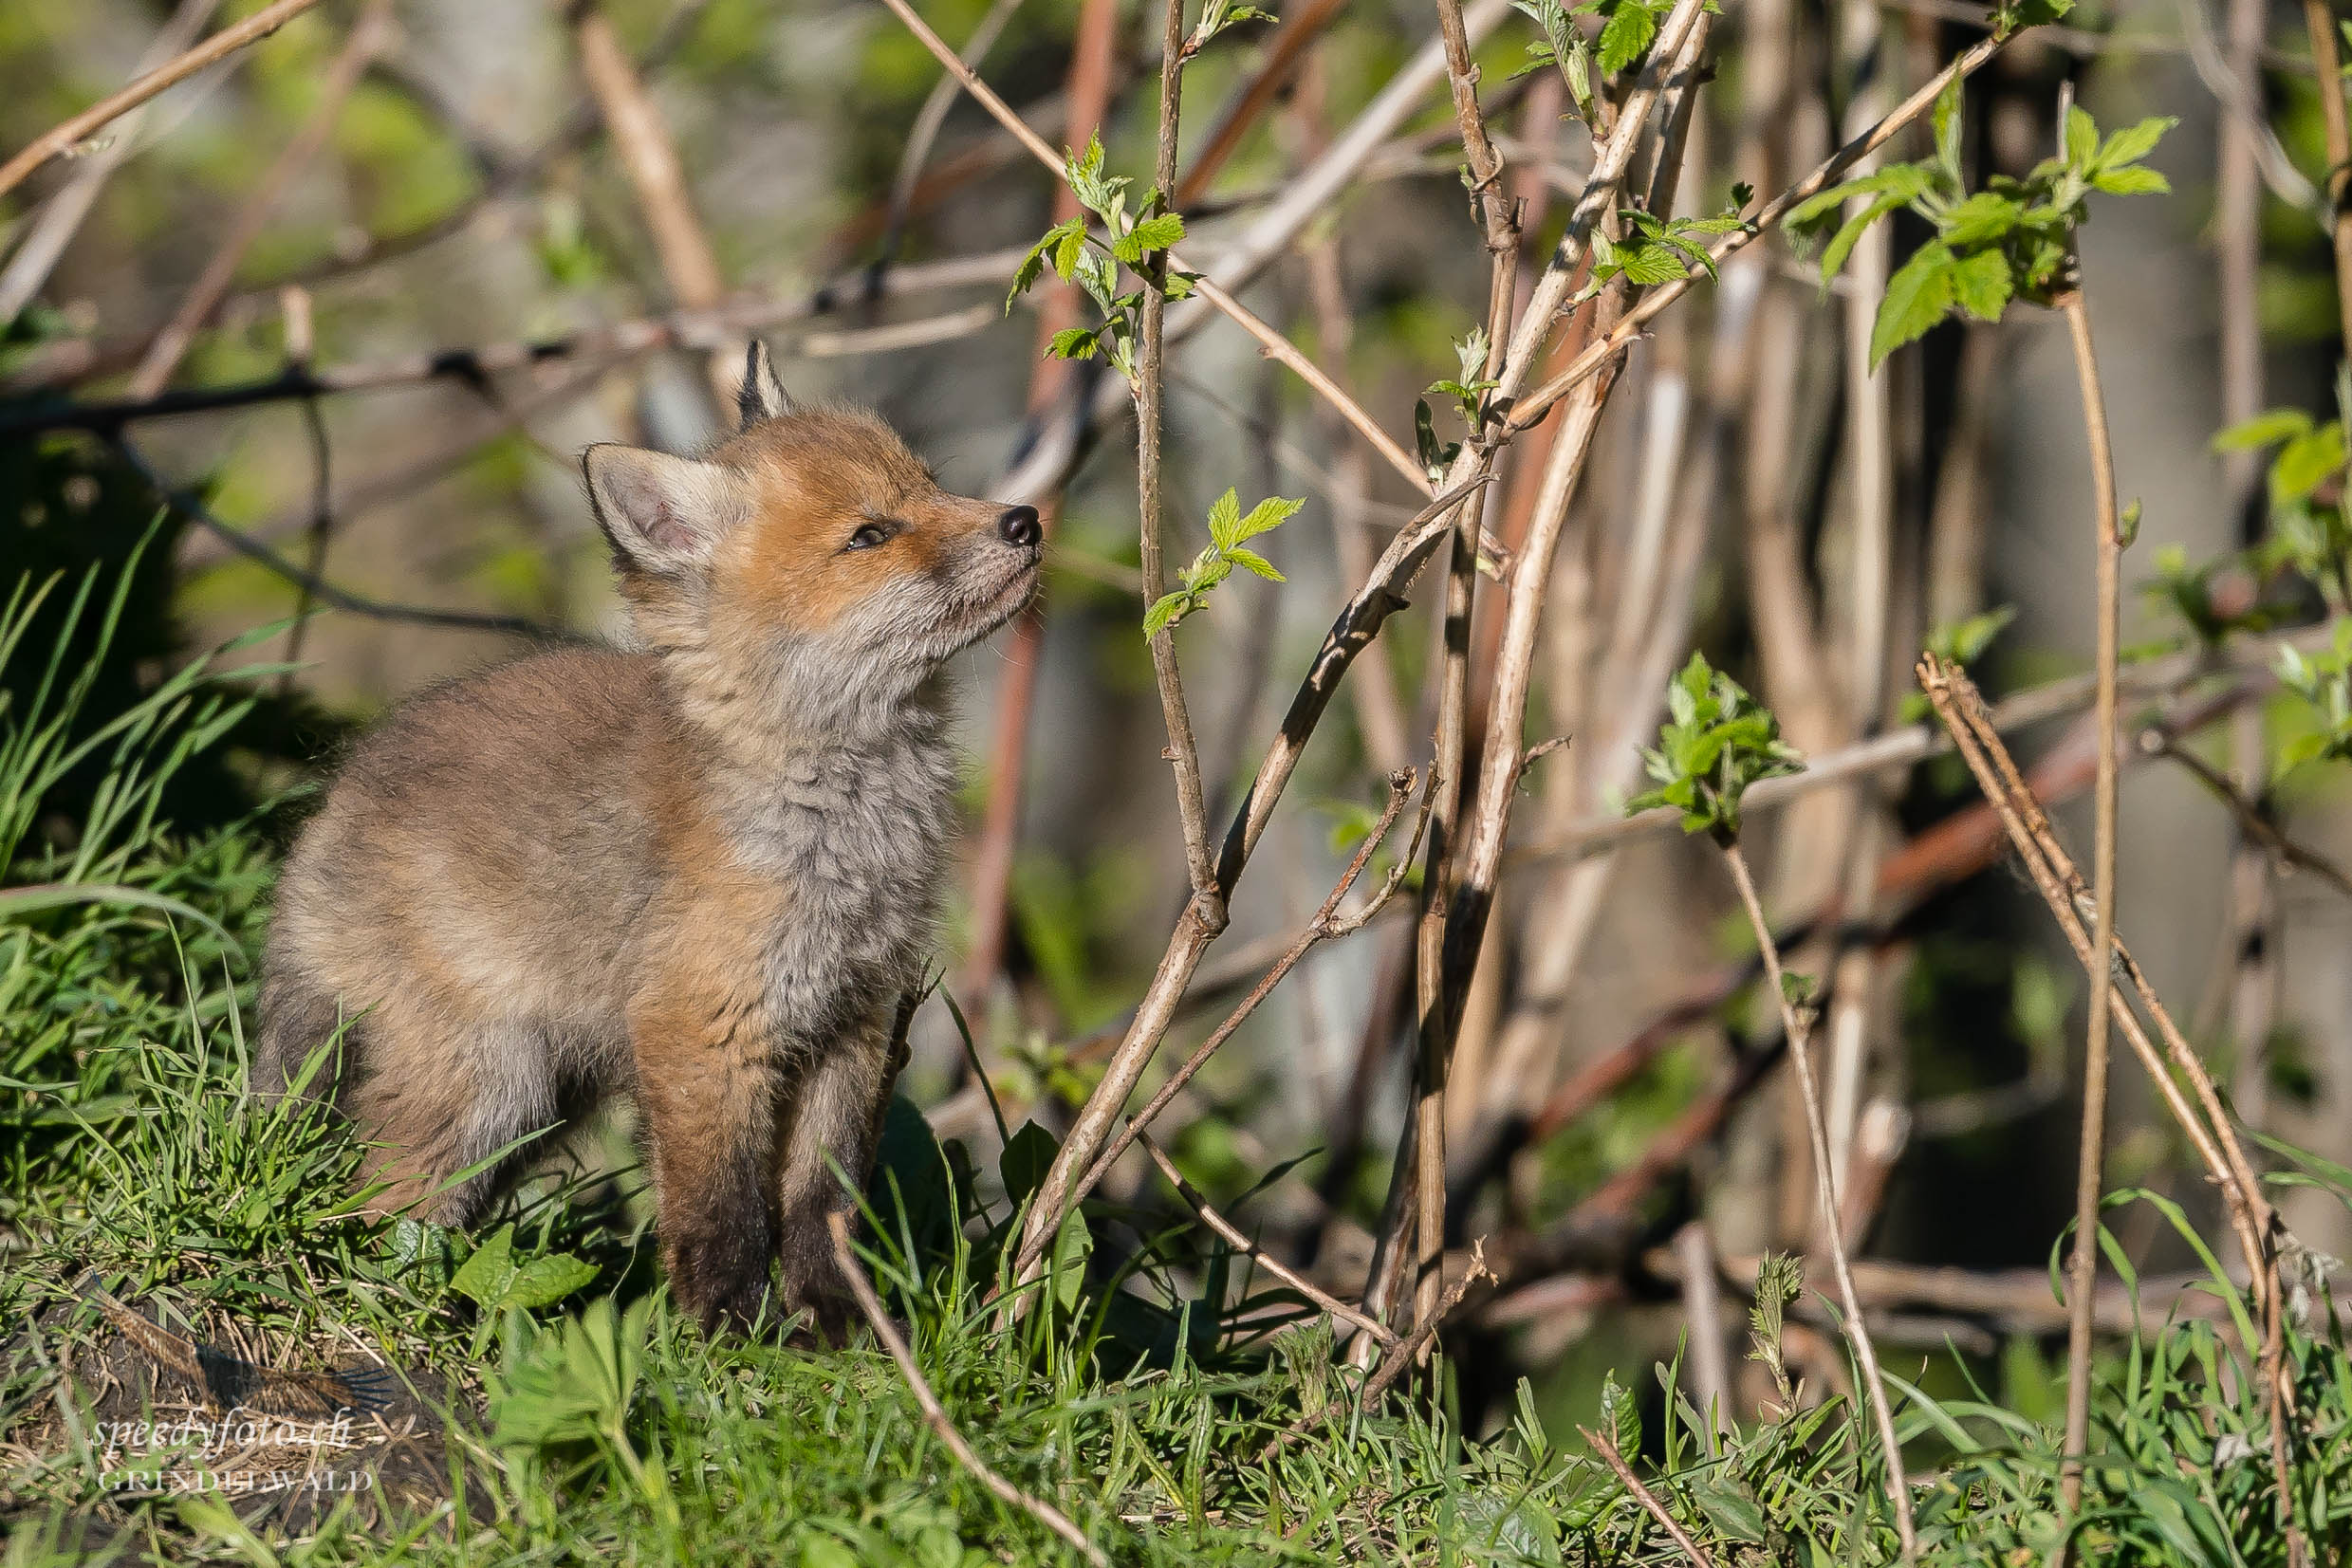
x,y
663,514
762,395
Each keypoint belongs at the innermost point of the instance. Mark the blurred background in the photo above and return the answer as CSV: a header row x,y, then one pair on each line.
x,y
355,298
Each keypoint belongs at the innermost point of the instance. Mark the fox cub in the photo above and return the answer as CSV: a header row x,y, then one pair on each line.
x,y
701,872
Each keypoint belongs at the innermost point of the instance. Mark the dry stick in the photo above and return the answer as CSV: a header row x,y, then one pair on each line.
x,y
649,157
1088,91
1956,700
1702,1309
1674,56
327,593
1150,388
2250,1213
1072,1175
928,120
368,36
61,216
1251,100
1961,707
2252,818
1328,923
1407,1352
1833,1238
1433,1004
79,129
934,1414
1607,1451
1331,1305
1356,623
2320,21
1274,343
1604,350
2082,1267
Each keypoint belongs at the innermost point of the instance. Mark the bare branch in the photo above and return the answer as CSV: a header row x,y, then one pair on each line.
x,y
1331,1305
61,216
63,136
1274,343
367,39
1586,365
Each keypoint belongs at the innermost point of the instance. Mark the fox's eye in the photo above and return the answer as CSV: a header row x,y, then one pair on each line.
x,y
869,536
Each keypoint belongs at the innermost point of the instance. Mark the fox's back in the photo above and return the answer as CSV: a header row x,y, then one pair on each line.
x,y
490,843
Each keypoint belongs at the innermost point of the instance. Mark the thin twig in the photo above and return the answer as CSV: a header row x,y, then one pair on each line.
x,y
1150,390
657,179
1232,1234
2083,1267
707,329
1609,1456
79,129
1275,345
2253,816
2319,23
934,1414
368,36
1052,380
1526,411
62,216
193,508
928,119
1832,1233
1328,923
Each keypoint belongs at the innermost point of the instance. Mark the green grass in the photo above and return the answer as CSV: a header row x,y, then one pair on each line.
x,y
588,1422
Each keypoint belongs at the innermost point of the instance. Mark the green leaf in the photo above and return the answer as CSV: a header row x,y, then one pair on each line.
x,y
2263,430
1225,519
1026,1159
1849,234
1253,561
1626,36
544,1282
2307,462
1076,343
1166,611
1981,219
1916,298
2081,139
2137,181
1072,1245
1070,250
1151,236
1981,284
483,1276
1620,1416
2134,142
1948,104
1267,515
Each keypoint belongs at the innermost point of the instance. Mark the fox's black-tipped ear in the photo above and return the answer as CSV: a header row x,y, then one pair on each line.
x,y
762,395
662,514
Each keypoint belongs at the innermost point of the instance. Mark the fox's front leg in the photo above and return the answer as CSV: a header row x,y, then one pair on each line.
x,y
834,1116
707,1091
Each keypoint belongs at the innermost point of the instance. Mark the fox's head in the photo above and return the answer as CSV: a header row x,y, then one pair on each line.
x,y
810,549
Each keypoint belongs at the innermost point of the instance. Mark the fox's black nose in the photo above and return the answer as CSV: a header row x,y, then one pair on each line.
x,y
1019,526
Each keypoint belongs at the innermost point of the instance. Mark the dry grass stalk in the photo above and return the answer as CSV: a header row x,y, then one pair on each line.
x,y
1799,1026
934,1414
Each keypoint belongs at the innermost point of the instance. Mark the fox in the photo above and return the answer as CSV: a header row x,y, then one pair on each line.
x,y
699,867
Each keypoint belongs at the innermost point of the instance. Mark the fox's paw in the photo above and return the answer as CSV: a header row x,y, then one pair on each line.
x,y
721,1278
